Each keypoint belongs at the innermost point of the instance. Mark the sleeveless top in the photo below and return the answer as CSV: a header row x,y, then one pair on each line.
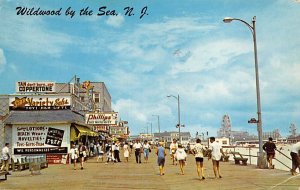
x,y
161,152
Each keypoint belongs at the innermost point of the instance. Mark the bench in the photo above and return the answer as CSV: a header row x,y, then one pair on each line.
x,y
42,161
21,164
5,173
238,160
225,157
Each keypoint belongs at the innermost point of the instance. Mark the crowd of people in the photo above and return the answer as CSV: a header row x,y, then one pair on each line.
x,y
137,148
178,154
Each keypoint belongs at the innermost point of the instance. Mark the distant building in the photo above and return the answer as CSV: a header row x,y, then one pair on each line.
x,y
275,134
168,137
293,139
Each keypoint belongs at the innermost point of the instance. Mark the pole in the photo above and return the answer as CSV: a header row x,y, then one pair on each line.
x,y
158,124
259,122
179,119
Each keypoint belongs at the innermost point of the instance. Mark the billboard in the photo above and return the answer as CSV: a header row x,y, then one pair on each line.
x,y
102,118
40,139
35,87
44,102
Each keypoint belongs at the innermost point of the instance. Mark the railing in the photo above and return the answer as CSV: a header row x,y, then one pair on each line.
x,y
249,155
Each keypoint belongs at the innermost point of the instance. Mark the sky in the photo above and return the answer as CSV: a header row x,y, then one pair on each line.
x,y
168,47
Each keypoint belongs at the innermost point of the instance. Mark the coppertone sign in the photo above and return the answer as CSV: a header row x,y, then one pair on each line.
x,y
102,118
32,102
35,87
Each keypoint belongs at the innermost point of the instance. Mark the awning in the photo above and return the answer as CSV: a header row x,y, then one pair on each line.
x,y
77,131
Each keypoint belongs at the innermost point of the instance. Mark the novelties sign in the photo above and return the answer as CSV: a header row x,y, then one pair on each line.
x,y
35,87
31,139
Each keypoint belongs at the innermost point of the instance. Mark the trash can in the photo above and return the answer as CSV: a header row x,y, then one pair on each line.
x,y
262,160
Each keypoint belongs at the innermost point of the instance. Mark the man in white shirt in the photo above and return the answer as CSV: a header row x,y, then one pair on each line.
x,y
295,158
137,146
216,153
5,158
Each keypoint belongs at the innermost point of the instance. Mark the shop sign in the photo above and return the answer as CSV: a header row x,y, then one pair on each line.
x,y
118,130
49,150
40,139
102,118
32,102
35,87
103,128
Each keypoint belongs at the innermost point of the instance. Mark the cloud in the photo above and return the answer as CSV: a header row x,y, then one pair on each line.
x,y
2,60
211,55
115,21
31,35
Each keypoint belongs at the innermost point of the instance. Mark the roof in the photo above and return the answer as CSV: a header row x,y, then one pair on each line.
x,y
53,116
166,134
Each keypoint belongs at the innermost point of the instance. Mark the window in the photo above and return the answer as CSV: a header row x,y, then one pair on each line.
x,y
97,97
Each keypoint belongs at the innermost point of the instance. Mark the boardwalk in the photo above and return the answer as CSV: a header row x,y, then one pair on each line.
x,y
145,176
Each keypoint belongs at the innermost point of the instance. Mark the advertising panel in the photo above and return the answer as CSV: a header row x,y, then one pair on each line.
x,y
33,102
41,139
102,128
35,87
102,118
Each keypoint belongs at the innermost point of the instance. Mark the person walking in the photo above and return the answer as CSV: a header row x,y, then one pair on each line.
x,y
270,148
5,158
100,152
117,152
161,158
295,158
74,155
216,154
198,153
173,148
137,151
146,148
131,146
126,151
82,153
180,155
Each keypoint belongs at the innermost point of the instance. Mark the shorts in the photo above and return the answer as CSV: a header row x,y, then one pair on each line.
x,y
161,161
270,155
199,159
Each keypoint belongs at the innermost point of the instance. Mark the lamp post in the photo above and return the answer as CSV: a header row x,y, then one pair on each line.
x,y
158,124
252,28
178,103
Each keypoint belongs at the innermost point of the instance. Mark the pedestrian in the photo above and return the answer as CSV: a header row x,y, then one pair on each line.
x,y
5,158
216,154
137,151
117,152
131,146
180,155
173,148
161,158
109,154
74,155
198,151
92,149
82,154
295,158
146,148
100,152
126,151
270,148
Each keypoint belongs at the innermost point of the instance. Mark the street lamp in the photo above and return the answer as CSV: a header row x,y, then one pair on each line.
x,y
178,103
260,162
158,124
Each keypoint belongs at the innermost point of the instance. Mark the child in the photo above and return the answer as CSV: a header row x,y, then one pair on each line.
x,y
181,157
